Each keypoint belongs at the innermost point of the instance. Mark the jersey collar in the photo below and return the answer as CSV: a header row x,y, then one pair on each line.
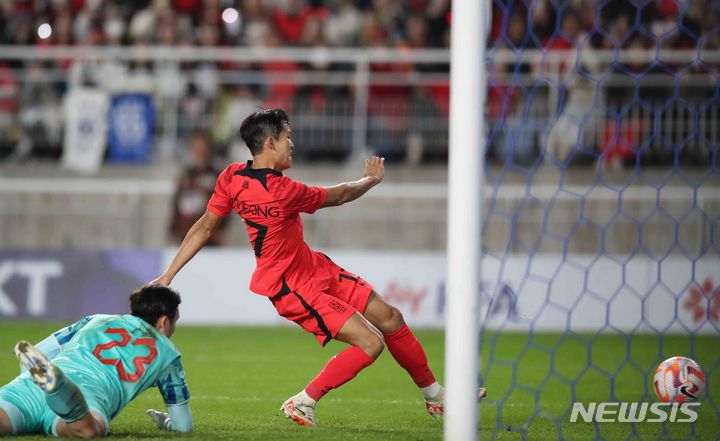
x,y
259,174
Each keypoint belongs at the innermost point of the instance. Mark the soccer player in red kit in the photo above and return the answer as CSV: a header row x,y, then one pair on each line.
x,y
305,286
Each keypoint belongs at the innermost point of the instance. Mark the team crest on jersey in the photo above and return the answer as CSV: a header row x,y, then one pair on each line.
x,y
336,306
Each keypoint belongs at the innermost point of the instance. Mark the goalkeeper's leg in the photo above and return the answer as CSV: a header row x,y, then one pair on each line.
x,y
62,396
6,427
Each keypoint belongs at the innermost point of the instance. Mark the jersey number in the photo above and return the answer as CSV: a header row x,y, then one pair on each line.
x,y
260,238
138,362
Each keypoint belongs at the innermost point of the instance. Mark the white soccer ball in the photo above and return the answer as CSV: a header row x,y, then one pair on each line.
x,y
679,380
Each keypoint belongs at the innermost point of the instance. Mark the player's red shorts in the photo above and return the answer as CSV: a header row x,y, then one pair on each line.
x,y
324,303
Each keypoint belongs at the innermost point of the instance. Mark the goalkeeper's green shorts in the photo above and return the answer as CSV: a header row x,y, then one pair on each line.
x,y
25,404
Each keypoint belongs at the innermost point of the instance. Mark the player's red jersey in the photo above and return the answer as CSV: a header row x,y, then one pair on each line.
x,y
270,204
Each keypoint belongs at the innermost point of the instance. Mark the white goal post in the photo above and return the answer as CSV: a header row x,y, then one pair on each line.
x,y
470,19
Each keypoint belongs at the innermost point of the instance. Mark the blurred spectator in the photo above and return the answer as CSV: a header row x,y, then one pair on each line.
x,y
343,23
289,19
195,186
40,116
517,38
200,95
517,35
114,25
144,23
186,6
87,26
618,33
312,37
543,20
281,93
210,13
20,29
8,98
62,30
6,11
206,75
166,31
510,138
421,138
236,103
388,103
569,33
389,16
521,24
438,15
256,25
416,32
620,141
577,115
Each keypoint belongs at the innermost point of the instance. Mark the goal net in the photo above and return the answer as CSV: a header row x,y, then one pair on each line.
x,y
601,239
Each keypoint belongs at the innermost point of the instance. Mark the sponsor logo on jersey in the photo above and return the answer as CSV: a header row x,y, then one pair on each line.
x,y
261,210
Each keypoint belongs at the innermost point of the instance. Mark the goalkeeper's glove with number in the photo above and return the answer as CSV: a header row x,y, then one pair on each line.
x,y
161,419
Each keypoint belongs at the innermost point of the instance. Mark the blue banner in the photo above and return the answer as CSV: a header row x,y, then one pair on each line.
x,y
130,136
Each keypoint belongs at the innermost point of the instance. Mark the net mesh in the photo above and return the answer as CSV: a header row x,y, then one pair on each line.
x,y
601,253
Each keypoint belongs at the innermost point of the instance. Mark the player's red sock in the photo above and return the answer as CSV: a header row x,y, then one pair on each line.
x,y
409,354
340,369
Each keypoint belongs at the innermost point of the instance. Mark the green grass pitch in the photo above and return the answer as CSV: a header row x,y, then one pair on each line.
x,y
239,377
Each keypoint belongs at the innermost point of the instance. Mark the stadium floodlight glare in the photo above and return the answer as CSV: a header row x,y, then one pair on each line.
x,y
467,141
230,15
44,31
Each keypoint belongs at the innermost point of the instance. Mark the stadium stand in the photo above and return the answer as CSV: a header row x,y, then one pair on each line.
x,y
344,104
405,120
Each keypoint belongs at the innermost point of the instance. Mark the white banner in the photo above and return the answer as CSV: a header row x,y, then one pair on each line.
x,y
548,292
85,129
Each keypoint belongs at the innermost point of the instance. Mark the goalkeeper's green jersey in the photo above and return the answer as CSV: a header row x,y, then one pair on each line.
x,y
120,356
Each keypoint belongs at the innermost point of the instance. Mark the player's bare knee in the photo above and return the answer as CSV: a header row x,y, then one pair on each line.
x,y
373,345
392,321
396,320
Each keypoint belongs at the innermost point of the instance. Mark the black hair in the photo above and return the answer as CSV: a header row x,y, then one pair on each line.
x,y
152,302
256,128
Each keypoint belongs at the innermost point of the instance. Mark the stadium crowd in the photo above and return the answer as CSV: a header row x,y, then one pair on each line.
x,y
395,112
360,23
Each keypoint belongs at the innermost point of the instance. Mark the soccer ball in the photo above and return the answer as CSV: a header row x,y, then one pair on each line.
x,y
679,379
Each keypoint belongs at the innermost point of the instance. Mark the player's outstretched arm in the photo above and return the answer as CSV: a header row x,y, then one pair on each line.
x,y
349,191
194,240
177,419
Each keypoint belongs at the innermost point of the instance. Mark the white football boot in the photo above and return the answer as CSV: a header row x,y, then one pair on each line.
x,y
299,411
42,372
436,405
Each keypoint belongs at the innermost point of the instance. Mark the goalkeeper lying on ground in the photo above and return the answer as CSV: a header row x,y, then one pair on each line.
x,y
99,364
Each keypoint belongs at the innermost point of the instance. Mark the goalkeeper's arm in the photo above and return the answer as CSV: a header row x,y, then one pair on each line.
x,y
177,419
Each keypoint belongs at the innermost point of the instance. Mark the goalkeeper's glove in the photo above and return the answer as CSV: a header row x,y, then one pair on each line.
x,y
161,419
